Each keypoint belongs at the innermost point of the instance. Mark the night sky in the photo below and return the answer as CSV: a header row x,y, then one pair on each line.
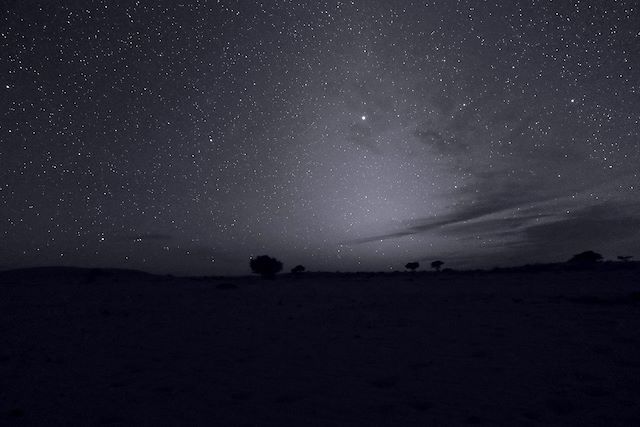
x,y
185,137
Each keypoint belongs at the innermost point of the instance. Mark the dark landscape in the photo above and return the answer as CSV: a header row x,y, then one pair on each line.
x,y
538,345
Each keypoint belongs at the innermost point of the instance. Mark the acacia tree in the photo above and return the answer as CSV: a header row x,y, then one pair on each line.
x,y
437,265
412,266
265,266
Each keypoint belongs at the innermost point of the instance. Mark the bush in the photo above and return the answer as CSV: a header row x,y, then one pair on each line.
x,y
265,266
586,258
298,269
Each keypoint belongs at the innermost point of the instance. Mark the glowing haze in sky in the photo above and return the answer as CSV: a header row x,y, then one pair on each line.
x,y
347,135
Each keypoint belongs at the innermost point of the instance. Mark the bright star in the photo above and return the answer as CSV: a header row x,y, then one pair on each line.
x,y
364,117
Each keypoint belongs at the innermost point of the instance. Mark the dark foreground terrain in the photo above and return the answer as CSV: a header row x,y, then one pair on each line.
x,y
80,347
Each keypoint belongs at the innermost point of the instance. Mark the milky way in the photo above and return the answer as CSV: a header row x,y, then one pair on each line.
x,y
353,135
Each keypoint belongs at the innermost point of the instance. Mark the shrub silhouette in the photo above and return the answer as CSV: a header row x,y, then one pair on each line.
x,y
412,266
265,266
298,269
437,265
586,258
625,258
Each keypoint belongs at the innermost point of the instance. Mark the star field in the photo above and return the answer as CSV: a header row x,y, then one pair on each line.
x,y
342,135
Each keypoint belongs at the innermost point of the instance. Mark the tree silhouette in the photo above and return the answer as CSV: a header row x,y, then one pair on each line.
x,y
412,266
625,258
265,266
437,265
586,258
298,269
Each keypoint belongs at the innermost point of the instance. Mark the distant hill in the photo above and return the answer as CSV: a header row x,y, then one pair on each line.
x,y
68,273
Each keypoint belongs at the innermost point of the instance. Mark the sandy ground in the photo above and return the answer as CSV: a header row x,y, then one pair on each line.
x,y
511,349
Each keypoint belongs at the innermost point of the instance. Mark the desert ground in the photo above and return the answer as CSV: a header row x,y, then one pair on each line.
x,y
513,348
